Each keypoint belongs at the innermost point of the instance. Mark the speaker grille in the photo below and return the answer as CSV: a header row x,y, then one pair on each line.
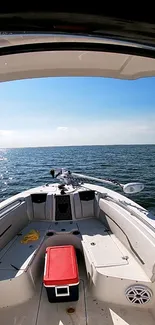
x,y
138,294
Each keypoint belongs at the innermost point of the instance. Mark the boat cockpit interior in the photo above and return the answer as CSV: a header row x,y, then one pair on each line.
x,y
109,241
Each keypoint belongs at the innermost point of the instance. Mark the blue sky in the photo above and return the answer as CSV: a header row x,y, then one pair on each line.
x,y
76,111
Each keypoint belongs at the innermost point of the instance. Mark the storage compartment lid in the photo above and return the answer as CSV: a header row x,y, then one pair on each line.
x,y
60,266
103,251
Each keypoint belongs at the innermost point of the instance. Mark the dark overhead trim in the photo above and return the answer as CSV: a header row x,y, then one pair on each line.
x,y
128,25
146,14
77,46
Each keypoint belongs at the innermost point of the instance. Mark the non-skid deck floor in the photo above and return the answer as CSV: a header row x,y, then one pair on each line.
x,y
17,254
88,311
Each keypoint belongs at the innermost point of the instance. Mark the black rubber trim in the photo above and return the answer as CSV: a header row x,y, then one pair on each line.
x,y
5,230
16,268
130,25
77,46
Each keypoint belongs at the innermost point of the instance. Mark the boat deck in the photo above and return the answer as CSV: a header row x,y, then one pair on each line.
x,y
88,311
17,254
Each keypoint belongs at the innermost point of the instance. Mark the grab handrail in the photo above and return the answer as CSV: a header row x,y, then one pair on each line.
x,y
10,207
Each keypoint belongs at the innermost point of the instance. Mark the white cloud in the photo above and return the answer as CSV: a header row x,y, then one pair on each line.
x,y
62,128
4,133
99,132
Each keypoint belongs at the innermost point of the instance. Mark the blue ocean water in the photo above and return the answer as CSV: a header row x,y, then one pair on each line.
x,y
23,168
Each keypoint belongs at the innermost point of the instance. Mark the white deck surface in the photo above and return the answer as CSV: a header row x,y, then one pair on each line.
x,y
88,311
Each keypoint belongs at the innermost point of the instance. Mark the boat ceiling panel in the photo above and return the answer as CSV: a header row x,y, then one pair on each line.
x,y
74,63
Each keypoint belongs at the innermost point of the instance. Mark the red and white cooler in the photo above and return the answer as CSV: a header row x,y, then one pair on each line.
x,y
61,277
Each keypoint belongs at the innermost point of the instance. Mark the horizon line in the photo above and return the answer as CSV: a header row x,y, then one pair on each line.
x,y
81,145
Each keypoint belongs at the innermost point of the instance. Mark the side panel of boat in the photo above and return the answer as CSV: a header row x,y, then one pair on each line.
x,y
13,219
16,290
140,238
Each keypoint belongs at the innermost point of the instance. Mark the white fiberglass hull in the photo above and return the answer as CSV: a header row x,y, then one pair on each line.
x,y
116,238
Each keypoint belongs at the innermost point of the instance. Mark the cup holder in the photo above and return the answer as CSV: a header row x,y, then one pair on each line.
x,y
76,232
50,233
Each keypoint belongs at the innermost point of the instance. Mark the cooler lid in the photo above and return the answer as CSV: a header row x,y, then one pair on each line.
x,y
60,266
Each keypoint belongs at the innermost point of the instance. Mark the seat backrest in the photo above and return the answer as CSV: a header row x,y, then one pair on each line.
x,y
84,204
42,206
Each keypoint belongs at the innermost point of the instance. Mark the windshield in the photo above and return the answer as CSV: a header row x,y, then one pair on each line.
x,y
103,127
76,102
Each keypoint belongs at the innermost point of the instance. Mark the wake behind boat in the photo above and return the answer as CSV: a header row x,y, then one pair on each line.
x,y
110,279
